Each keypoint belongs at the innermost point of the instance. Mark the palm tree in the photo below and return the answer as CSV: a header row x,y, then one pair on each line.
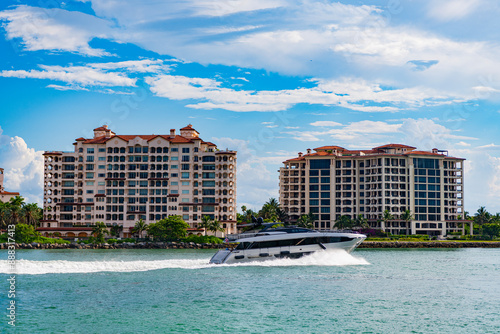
x,y
387,216
32,214
343,222
205,223
361,222
140,227
407,217
4,214
99,231
305,221
116,230
481,217
215,226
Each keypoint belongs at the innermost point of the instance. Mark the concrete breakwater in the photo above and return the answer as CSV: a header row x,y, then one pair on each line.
x,y
428,244
124,245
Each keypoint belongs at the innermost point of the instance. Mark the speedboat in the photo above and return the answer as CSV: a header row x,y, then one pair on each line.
x,y
285,242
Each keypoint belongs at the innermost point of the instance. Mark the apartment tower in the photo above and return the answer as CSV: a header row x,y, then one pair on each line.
x,y
333,181
119,179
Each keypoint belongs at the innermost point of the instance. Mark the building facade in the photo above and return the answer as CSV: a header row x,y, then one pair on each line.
x,y
119,179
5,196
333,181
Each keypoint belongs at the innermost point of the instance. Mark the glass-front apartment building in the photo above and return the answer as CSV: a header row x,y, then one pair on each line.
x,y
333,181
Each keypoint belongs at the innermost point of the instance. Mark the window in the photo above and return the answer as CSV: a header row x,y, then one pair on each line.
x,y
174,166
185,183
174,191
90,150
90,158
174,158
89,175
320,164
185,150
185,175
89,183
185,192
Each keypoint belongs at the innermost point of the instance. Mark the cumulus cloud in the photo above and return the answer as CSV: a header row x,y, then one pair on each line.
x,y
23,168
54,29
110,74
347,93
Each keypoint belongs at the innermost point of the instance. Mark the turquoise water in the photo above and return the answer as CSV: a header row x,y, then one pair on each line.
x,y
148,291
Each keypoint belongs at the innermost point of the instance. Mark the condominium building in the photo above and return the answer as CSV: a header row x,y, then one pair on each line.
x,y
333,181
119,179
5,196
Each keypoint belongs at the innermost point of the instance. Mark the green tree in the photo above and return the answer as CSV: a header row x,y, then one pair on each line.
x,y
205,224
215,226
491,229
25,233
4,214
99,230
32,214
116,230
386,217
170,228
407,217
343,222
15,207
140,227
361,222
305,221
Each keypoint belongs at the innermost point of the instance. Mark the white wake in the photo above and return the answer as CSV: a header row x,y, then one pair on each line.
x,y
28,267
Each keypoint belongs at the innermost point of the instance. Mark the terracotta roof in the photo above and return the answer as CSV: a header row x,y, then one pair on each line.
x,y
432,154
102,128
189,127
394,146
80,139
338,148
424,153
8,193
296,159
52,153
318,154
208,143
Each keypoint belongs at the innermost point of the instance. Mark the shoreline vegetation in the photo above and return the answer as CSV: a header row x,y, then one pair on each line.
x,y
192,245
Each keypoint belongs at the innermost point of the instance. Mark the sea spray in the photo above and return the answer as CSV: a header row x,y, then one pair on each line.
x,y
28,267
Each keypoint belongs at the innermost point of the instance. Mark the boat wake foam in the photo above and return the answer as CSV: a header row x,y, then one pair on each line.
x,y
334,257
28,267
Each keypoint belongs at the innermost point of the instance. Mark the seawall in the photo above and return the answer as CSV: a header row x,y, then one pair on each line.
x,y
124,245
429,244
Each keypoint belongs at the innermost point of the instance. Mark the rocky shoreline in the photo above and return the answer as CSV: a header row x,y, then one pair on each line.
x,y
429,244
192,245
124,245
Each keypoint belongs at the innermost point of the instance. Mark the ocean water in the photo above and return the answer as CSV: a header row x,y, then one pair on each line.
x,y
177,291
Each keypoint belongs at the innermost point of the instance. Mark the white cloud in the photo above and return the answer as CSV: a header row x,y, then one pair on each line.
x,y
447,10
347,93
462,143
427,134
23,167
325,123
74,75
54,29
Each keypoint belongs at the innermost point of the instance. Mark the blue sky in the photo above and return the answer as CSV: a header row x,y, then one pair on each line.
x,y
268,78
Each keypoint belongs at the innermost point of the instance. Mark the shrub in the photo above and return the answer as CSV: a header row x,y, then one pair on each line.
x,y
111,241
199,239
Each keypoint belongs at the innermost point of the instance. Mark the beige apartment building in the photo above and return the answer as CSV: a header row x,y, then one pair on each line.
x,y
5,196
119,179
334,181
